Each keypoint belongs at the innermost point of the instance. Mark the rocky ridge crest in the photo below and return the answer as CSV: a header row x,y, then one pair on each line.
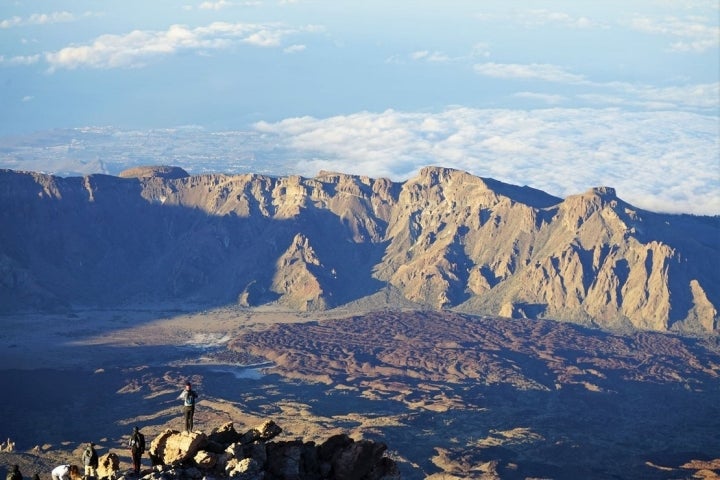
x,y
443,240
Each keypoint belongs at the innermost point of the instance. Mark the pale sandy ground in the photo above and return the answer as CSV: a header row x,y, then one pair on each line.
x,y
90,338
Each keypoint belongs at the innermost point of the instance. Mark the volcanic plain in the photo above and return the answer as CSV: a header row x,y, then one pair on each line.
x,y
452,395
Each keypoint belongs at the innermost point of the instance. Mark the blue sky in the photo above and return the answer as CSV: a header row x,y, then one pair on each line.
x,y
562,95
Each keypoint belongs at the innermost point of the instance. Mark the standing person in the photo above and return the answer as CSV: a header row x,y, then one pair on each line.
x,y
137,448
14,473
90,460
188,396
66,472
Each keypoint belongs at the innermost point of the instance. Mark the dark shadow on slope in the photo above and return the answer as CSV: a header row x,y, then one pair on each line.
x,y
98,242
694,235
526,195
346,265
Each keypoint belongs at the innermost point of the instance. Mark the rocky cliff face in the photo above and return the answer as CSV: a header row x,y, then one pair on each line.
x,y
445,239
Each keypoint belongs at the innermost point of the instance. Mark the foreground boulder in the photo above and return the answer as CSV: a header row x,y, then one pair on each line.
x,y
224,434
108,465
172,447
226,453
358,460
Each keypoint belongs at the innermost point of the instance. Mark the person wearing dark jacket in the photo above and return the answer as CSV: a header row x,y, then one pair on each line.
x,y
137,448
90,460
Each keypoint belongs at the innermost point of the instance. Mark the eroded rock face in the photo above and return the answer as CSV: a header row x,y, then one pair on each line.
x,y
443,239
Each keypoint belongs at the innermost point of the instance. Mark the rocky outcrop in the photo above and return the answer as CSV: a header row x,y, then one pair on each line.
x,y
225,453
171,447
443,240
108,465
301,278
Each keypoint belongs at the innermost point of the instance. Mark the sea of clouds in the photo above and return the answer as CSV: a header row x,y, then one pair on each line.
x,y
660,160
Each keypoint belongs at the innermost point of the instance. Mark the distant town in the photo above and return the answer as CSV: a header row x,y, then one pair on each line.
x,y
109,150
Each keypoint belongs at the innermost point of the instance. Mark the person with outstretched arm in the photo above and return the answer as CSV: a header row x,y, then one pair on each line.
x,y
188,396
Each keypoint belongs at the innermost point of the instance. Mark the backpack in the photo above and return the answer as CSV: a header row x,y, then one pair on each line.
x,y
87,456
138,441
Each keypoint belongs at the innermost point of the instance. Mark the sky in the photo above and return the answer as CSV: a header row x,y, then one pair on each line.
x,y
559,95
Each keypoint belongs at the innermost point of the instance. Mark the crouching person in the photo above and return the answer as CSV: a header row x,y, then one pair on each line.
x,y
66,472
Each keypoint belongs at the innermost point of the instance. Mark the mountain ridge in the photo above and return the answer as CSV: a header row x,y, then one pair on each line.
x,y
444,239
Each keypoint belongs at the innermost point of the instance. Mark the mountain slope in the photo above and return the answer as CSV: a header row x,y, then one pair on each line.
x,y
444,239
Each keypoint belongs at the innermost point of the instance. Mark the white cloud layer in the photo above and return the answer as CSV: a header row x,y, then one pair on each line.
x,y
698,96
661,161
218,5
39,19
20,60
134,49
693,34
535,71
542,18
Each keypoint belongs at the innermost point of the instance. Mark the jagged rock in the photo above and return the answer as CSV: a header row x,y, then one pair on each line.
x,y
173,447
157,447
267,431
108,465
333,444
285,459
300,277
215,447
256,451
385,469
235,450
246,469
182,456
224,434
357,460
205,460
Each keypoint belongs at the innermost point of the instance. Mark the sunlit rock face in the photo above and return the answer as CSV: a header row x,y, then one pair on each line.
x,y
442,240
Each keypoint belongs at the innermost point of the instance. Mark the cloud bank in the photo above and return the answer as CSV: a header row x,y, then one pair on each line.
x,y
136,48
39,19
661,161
690,34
